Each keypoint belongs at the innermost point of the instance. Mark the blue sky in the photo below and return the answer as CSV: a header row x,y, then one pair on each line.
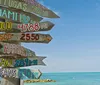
x,y
76,37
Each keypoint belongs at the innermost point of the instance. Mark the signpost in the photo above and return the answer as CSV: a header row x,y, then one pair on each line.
x,y
29,8
25,37
6,48
19,73
18,20
18,16
7,62
11,81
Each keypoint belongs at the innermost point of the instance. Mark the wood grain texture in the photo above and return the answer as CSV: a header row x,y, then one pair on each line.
x,y
25,37
29,8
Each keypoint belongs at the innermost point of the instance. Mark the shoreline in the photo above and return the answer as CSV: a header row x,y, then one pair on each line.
x,y
39,80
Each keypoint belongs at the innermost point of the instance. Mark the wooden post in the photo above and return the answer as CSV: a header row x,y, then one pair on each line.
x,y
11,81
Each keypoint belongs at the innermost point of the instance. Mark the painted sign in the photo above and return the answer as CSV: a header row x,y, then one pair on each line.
x,y
29,62
7,62
42,26
6,48
28,8
22,73
16,28
16,15
17,73
37,73
4,72
25,37
5,26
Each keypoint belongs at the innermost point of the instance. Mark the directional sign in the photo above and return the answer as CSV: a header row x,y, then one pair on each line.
x,y
29,8
13,27
42,26
7,27
6,62
37,73
25,37
17,73
16,15
29,62
6,48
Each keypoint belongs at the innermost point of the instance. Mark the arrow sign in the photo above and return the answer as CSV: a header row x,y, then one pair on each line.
x,y
42,26
6,62
13,27
25,37
7,27
14,49
29,8
17,73
15,15
37,73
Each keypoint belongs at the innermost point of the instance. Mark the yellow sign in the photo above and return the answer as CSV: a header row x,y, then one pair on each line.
x,y
5,26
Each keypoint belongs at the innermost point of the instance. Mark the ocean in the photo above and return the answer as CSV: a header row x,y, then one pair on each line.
x,y
71,78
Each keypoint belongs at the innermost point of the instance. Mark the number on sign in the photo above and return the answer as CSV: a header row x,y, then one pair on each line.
x,y
29,37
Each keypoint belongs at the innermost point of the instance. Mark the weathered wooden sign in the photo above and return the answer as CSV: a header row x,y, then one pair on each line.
x,y
18,73
16,15
7,62
6,48
37,73
8,27
29,8
25,37
16,28
42,26
8,72
5,26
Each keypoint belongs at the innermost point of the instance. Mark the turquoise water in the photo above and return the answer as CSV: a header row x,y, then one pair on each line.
x,y
86,78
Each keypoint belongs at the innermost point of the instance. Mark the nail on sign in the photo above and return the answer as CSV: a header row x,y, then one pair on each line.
x,y
18,73
25,37
16,15
14,49
6,62
28,8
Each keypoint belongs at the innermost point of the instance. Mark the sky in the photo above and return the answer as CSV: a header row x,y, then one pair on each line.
x,y
75,46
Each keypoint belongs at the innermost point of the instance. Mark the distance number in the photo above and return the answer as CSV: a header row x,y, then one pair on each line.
x,y
29,36
28,27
